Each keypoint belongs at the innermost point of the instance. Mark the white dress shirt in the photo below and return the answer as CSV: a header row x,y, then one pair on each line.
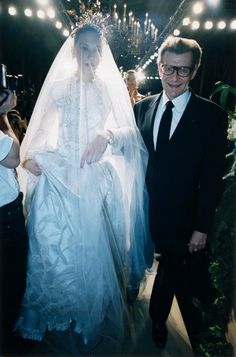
x,y
9,187
180,104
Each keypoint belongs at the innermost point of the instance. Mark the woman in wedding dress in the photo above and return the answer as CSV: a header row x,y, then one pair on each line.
x,y
84,165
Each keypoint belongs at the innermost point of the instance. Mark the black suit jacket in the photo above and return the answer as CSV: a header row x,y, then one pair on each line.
x,y
184,181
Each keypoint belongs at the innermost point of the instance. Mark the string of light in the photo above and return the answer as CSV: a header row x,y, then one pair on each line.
x,y
136,32
47,13
193,24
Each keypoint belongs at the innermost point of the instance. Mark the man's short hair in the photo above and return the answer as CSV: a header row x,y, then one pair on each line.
x,y
179,45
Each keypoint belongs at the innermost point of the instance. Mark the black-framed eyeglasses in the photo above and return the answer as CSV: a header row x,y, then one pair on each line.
x,y
182,71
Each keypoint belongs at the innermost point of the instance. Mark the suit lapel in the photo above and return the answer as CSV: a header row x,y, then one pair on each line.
x,y
186,121
149,122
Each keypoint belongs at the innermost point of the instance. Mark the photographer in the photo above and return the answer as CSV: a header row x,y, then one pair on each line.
x,y
13,237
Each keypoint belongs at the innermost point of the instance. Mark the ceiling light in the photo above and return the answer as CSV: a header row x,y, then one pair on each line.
x,y
58,25
42,2
221,25
65,33
41,14
195,25
51,13
12,11
208,25
176,32
186,21
28,12
198,7
233,25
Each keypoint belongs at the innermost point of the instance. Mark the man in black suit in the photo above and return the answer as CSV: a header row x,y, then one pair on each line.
x,y
187,146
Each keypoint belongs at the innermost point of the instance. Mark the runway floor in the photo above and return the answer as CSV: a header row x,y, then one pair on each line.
x,y
139,342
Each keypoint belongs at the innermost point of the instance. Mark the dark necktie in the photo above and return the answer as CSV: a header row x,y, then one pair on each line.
x,y
164,128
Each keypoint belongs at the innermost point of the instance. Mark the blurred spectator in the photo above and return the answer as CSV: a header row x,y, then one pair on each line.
x,y
132,85
13,236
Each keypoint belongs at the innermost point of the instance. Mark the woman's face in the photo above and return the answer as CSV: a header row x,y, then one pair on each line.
x,y
88,51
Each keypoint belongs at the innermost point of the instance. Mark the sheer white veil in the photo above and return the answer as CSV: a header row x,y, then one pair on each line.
x,y
70,111
62,70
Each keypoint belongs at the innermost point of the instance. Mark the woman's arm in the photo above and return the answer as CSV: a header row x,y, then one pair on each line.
x,y
12,159
32,167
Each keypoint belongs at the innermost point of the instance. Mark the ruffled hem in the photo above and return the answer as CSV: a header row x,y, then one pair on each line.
x,y
38,334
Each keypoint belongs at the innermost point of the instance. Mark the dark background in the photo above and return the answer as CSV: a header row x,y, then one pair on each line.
x,y
29,45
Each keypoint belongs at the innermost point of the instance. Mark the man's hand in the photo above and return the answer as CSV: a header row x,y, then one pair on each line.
x,y
9,103
32,167
197,241
94,150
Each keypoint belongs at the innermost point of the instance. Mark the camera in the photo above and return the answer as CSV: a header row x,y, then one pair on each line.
x,y
9,81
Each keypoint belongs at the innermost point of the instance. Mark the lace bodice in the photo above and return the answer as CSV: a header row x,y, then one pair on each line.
x,y
78,126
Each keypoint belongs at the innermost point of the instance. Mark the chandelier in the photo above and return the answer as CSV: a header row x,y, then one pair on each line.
x,y
127,35
134,37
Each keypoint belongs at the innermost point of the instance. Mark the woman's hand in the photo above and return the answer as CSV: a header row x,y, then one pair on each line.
x,y
32,167
94,150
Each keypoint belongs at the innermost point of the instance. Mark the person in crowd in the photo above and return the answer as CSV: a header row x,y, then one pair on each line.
x,y
186,138
13,236
84,164
132,85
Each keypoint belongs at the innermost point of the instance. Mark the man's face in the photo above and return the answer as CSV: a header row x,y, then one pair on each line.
x,y
174,84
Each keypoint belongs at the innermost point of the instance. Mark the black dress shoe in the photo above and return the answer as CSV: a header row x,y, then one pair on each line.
x,y
159,335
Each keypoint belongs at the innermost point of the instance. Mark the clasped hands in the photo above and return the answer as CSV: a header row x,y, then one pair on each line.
x,y
92,153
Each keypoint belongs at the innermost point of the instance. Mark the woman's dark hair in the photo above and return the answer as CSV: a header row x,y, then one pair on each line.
x,y
87,28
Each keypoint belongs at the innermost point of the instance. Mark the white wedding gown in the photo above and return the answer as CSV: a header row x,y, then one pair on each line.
x,y
83,256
